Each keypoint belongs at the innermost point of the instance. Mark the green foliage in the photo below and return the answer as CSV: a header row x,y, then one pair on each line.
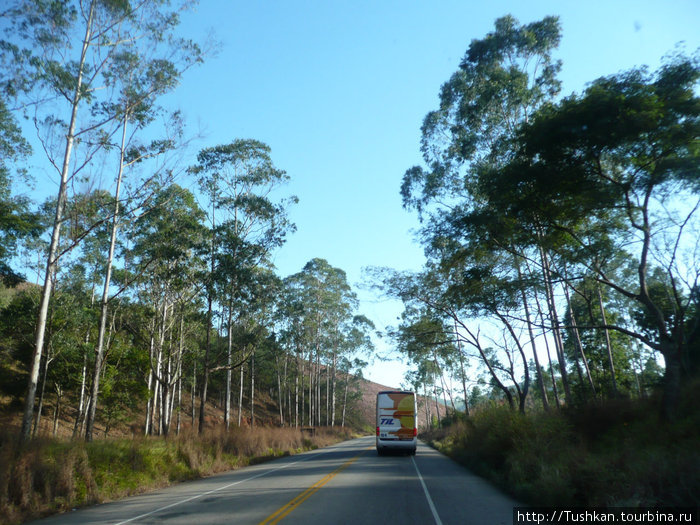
x,y
16,219
523,198
615,454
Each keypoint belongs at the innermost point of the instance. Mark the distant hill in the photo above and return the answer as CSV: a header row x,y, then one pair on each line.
x,y
368,403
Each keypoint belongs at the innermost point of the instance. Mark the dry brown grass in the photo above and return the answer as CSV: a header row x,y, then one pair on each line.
x,y
49,476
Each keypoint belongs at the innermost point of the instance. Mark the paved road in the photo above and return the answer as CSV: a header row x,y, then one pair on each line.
x,y
345,483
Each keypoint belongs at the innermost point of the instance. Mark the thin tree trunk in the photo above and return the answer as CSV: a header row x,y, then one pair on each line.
x,y
252,389
608,345
333,383
57,410
555,390
556,331
229,372
151,395
540,379
526,386
52,256
240,397
42,390
179,405
207,352
77,428
159,386
81,402
461,366
194,391
296,394
279,389
579,345
99,351
437,406
345,398
205,383
427,406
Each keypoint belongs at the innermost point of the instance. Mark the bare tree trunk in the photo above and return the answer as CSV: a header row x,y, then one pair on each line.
x,y
427,406
57,410
345,399
608,345
167,390
42,390
229,372
540,379
578,342
240,397
207,352
179,405
194,391
205,383
99,351
318,388
81,402
311,389
333,383
77,427
461,366
151,395
159,397
556,331
303,394
252,389
437,406
555,390
328,384
280,396
52,256
296,394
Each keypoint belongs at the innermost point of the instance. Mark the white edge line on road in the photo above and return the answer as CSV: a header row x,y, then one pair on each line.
x,y
427,494
197,496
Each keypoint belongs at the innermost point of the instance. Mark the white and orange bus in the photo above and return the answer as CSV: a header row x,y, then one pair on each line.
x,y
397,421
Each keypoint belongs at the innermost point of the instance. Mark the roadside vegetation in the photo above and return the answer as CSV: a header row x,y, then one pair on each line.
x,y
617,453
562,282
562,275
47,476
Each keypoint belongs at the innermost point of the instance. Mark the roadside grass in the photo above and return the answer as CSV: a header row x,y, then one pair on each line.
x,y
47,476
614,454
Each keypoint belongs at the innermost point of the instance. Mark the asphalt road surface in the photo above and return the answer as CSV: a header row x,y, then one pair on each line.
x,y
345,483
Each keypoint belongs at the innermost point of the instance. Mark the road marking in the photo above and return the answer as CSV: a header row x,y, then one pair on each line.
x,y
201,495
427,494
277,516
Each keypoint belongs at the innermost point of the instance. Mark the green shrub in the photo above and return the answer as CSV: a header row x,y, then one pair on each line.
x,y
618,453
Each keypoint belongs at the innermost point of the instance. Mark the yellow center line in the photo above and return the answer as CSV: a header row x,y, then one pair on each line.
x,y
301,498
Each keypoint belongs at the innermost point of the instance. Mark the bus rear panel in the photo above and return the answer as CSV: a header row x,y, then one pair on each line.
x,y
397,424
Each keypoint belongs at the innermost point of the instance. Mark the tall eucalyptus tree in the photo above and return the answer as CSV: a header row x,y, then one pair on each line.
x,y
166,243
67,51
239,180
614,170
501,82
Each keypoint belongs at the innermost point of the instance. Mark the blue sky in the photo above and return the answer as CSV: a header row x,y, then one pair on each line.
x,y
339,90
